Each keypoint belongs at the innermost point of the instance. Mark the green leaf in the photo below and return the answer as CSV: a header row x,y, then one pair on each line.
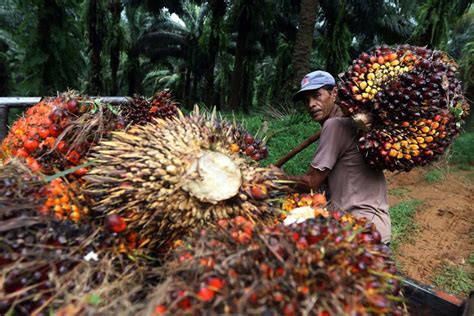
x,y
94,299
66,172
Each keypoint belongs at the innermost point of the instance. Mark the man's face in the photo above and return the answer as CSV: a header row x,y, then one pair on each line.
x,y
320,103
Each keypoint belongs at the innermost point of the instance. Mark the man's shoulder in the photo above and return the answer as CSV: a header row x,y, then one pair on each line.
x,y
337,122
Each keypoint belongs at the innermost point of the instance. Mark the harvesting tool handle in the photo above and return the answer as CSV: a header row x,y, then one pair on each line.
x,y
308,141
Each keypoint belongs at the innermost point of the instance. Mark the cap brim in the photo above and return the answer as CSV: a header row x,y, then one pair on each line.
x,y
300,93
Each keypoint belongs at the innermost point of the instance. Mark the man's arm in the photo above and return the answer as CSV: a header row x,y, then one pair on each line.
x,y
311,180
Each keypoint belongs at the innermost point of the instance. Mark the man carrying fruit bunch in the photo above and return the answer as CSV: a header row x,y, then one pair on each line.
x,y
354,186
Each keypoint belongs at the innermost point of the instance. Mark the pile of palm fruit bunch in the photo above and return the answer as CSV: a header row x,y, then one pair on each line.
x,y
323,266
47,263
56,135
143,110
163,180
413,100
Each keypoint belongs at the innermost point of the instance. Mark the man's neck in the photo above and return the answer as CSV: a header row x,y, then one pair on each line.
x,y
336,112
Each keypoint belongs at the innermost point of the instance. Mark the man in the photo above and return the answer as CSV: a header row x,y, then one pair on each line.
x,y
353,185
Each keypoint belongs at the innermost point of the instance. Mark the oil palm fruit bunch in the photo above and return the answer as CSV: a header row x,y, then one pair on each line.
x,y
324,266
244,142
163,179
44,136
142,110
45,262
412,99
402,146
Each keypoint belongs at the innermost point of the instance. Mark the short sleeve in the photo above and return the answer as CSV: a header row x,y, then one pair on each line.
x,y
330,145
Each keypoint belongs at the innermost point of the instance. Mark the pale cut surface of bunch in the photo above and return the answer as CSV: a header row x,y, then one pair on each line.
x,y
167,178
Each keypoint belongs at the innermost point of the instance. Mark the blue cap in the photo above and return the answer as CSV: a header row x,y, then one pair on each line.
x,y
314,80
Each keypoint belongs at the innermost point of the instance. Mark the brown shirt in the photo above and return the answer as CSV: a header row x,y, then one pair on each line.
x,y
354,186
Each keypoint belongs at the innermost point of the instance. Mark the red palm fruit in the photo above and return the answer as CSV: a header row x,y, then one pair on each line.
x,y
54,130
185,303
319,199
115,223
80,172
159,310
74,157
249,150
248,139
33,164
22,153
72,106
43,132
30,145
62,147
259,192
215,283
205,294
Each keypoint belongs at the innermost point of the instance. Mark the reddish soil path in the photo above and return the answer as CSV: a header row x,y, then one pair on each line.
x,y
445,222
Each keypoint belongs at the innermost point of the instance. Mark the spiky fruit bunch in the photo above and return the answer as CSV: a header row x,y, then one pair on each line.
x,y
142,110
413,99
244,269
166,178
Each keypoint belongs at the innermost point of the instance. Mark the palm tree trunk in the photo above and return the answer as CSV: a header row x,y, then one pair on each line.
x,y
304,41
95,45
247,85
218,10
116,9
237,75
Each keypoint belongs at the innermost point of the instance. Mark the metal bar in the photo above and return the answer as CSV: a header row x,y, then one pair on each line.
x,y
425,300
6,103
22,102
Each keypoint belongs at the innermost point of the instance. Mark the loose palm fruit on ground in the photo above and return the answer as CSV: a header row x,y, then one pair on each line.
x,y
241,268
174,175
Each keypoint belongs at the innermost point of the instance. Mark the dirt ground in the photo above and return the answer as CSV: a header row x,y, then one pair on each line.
x,y
445,221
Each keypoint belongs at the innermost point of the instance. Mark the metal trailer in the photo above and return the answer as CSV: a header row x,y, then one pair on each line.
x,y
421,299
7,103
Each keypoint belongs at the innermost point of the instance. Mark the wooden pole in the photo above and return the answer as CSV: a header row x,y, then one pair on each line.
x,y
298,148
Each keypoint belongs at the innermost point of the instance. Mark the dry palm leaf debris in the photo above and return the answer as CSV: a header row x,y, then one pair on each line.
x,y
47,263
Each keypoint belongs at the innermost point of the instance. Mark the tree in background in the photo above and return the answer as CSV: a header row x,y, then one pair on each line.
x,y
434,19
304,41
50,40
217,9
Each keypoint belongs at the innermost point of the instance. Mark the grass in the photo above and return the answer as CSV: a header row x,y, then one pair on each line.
x,y
463,149
401,216
286,132
458,280
398,191
434,175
